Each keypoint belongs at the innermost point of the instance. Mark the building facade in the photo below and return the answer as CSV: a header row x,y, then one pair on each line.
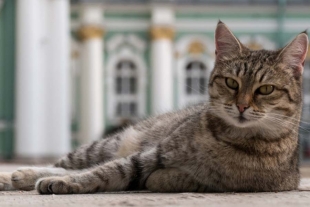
x,y
7,72
132,59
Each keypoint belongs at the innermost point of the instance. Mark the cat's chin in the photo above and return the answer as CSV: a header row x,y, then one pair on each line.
x,y
240,122
237,121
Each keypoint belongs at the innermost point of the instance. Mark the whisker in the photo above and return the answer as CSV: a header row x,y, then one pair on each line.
x,y
284,116
289,122
279,123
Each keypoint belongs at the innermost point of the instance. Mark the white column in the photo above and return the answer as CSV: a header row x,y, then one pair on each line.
x,y
57,79
29,80
91,105
162,60
42,113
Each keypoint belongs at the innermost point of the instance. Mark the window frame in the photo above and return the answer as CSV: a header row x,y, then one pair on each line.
x,y
125,98
183,58
125,47
186,99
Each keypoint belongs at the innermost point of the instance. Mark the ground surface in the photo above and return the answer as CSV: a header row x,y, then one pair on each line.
x,y
32,199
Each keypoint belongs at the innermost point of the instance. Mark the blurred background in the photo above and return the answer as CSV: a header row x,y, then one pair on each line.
x,y
74,71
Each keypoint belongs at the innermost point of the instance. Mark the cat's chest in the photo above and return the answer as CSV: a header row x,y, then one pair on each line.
x,y
253,154
235,160
231,169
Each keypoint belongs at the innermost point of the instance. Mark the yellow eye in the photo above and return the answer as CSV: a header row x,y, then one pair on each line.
x,y
231,83
265,90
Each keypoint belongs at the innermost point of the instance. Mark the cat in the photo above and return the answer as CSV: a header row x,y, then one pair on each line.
x,y
244,139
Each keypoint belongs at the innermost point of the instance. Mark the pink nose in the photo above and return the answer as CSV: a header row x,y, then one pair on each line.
x,y
242,107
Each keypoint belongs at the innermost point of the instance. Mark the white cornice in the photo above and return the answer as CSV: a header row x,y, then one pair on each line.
x,y
120,24
1,4
200,8
296,25
196,8
298,9
203,25
163,16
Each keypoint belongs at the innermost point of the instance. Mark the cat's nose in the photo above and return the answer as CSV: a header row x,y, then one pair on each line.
x,y
242,107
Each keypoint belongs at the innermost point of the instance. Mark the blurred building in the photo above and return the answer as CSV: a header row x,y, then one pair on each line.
x,y
96,65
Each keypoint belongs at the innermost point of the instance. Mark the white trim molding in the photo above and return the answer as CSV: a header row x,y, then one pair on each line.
x,y
257,42
209,25
126,47
185,54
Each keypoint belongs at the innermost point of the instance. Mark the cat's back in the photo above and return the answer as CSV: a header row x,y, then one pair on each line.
x,y
149,132
166,123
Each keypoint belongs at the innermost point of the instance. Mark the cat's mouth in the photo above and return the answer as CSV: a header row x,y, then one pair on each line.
x,y
241,119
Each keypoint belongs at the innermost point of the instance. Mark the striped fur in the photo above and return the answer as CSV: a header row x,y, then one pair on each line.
x,y
211,147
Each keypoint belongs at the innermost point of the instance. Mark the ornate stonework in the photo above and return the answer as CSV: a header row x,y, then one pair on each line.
x,y
254,45
196,47
89,32
161,32
75,54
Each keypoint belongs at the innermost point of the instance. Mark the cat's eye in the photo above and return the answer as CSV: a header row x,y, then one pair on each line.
x,y
231,83
265,90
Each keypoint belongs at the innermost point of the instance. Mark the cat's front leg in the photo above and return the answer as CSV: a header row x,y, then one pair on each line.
x,y
121,174
25,178
5,181
61,185
102,178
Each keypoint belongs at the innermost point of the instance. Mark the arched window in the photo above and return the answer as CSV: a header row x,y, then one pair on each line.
x,y
304,129
126,78
126,74
194,62
196,80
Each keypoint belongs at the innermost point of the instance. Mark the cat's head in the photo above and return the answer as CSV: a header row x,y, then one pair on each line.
x,y
249,88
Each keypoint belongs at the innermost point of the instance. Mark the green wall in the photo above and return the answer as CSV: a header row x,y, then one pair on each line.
x,y
7,72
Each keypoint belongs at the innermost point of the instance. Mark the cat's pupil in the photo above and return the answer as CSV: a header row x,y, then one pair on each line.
x,y
231,83
265,90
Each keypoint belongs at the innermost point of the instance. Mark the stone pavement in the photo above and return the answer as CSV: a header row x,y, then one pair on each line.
x,y
281,199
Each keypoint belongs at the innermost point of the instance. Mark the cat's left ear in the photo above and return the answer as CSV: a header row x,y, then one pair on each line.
x,y
294,54
226,44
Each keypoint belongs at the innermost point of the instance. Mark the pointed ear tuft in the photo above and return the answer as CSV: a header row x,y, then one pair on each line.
x,y
294,54
305,32
227,45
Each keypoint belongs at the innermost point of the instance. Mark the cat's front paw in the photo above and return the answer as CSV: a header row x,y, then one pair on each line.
x,y
24,179
5,181
57,185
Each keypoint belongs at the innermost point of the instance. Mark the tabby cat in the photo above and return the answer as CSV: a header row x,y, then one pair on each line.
x,y
244,139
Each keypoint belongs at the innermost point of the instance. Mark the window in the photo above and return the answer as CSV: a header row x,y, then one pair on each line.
x,y
195,82
126,78
304,129
306,91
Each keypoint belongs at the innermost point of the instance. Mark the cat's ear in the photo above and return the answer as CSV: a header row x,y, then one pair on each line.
x,y
226,44
294,54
